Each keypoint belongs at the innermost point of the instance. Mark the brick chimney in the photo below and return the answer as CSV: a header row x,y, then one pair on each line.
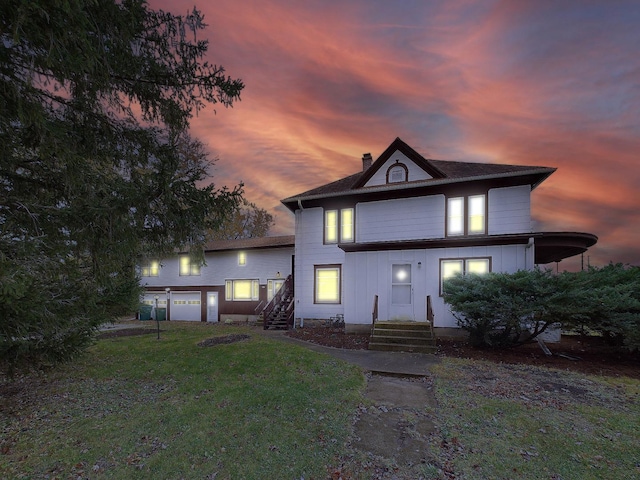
x,y
367,160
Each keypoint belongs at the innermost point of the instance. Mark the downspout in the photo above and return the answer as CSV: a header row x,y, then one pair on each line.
x,y
530,244
296,300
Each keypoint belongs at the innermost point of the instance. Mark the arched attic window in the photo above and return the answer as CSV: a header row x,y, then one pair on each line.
x,y
398,172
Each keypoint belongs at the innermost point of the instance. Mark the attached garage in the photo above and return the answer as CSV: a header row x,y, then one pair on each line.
x,y
186,306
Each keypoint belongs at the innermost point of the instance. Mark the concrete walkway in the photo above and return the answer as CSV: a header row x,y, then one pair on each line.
x,y
389,363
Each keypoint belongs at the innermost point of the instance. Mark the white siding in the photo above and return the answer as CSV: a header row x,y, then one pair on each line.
x,y
368,274
401,219
415,172
310,250
261,264
510,210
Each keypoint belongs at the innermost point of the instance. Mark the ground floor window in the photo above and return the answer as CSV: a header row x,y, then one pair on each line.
x,y
453,266
242,290
327,284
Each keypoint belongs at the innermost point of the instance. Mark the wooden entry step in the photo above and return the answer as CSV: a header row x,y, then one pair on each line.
x,y
403,337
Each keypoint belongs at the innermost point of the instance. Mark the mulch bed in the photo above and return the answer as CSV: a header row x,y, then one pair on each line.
x,y
223,340
592,356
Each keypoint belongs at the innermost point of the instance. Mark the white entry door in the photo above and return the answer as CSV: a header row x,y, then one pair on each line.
x,y
212,306
401,299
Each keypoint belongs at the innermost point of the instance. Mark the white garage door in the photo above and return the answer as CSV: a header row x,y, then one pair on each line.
x,y
185,306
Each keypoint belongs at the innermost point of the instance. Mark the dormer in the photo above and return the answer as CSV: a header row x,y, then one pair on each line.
x,y
398,164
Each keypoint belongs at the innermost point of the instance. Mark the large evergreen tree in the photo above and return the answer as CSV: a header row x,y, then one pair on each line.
x,y
96,165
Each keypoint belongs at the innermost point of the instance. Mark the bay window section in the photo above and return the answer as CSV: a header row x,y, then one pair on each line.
x,y
327,284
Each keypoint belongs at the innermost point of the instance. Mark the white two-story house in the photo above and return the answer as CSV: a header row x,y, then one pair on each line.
x,y
391,233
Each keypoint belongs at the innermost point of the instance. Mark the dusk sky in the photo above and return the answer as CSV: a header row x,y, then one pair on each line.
x,y
550,83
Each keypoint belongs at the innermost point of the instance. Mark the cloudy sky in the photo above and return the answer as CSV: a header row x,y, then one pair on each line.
x,y
538,82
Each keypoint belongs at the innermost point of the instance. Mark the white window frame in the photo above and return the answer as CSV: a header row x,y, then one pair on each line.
x,y
233,288
150,268
318,284
466,266
187,267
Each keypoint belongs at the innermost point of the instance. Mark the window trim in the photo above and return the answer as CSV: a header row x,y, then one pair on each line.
x,y
466,217
464,261
397,164
150,266
194,268
230,290
316,268
339,226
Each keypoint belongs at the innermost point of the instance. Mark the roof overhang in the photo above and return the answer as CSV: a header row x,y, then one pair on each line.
x,y
549,246
556,246
532,177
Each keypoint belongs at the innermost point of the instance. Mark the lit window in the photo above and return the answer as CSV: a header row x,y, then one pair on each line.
x,y
455,216
466,215
476,214
242,258
187,267
150,269
242,290
401,284
327,284
463,266
331,226
346,225
339,224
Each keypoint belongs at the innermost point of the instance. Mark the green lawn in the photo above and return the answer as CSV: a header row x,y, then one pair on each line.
x,y
136,407
516,421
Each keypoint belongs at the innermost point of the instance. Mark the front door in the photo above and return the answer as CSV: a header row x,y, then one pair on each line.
x,y
212,306
401,300
273,286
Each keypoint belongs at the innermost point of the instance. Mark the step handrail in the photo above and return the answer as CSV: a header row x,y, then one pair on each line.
x,y
282,293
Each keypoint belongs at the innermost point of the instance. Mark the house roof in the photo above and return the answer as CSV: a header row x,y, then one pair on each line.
x,y
443,173
250,243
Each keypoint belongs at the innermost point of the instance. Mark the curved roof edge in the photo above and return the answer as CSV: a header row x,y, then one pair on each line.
x,y
556,246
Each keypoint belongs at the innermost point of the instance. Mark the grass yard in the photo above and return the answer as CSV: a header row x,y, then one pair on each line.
x,y
136,407
504,421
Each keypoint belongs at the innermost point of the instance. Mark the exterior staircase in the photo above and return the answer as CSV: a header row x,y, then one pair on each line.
x,y
414,337
278,313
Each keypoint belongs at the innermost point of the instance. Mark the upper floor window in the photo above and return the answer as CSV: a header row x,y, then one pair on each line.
x,y
397,172
339,225
466,215
187,267
150,268
242,258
